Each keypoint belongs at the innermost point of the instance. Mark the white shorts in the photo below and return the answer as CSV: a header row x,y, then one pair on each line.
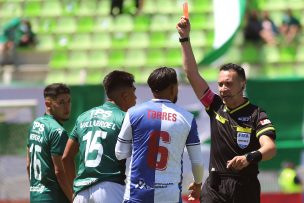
x,y
100,193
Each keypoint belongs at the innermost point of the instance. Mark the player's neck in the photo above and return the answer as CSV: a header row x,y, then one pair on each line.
x,y
120,104
164,98
165,94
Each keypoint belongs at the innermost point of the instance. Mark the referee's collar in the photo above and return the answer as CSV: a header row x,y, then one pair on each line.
x,y
247,102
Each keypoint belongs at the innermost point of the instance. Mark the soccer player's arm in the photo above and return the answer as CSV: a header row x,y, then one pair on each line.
x,y
69,154
58,144
28,162
61,178
68,160
28,158
266,135
195,155
123,148
198,83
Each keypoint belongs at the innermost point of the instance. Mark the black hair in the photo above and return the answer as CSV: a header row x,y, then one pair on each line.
x,y
55,89
116,80
161,78
238,69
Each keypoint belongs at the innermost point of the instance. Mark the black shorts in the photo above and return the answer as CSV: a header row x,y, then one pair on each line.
x,y
229,189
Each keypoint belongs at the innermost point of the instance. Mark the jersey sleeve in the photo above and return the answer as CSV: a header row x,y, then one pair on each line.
x,y
207,98
73,134
264,126
123,148
59,139
193,138
195,156
194,151
211,101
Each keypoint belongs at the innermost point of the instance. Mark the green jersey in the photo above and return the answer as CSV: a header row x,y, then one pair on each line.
x,y
96,131
46,138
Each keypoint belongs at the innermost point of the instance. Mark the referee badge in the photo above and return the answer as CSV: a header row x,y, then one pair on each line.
x,y
243,139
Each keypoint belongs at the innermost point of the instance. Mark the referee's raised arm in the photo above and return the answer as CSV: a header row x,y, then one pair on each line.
x,y
198,83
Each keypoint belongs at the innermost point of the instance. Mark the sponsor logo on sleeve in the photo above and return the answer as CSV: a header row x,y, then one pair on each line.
x,y
265,121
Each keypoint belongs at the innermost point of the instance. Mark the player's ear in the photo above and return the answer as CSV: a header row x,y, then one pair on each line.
x,y
243,85
48,102
124,95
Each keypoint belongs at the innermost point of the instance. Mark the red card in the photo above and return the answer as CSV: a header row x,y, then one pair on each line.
x,y
185,9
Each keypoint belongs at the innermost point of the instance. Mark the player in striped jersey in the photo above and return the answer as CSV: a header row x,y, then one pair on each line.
x,y
155,134
46,142
100,176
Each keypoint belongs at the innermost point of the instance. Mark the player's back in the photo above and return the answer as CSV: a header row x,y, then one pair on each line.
x,y
161,131
46,138
96,132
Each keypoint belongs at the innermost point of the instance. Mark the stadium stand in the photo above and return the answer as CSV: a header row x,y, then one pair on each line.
x,y
86,26
79,42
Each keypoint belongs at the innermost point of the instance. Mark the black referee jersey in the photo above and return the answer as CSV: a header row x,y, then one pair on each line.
x,y
235,132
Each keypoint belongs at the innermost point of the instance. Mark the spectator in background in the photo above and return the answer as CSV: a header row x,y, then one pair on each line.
x,y
16,33
117,7
269,29
289,180
290,26
253,27
138,5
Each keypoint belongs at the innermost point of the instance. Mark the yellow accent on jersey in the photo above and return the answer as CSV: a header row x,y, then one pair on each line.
x,y
220,118
265,129
241,129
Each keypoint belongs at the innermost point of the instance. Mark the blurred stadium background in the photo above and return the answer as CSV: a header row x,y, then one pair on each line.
x,y
79,43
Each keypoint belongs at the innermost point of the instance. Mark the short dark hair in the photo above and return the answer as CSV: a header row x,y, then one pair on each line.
x,y
238,69
55,89
117,79
161,78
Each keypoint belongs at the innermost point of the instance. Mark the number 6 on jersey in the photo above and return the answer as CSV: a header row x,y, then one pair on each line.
x,y
36,162
158,155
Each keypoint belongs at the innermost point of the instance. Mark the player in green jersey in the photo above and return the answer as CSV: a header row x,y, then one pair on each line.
x,y
100,176
46,142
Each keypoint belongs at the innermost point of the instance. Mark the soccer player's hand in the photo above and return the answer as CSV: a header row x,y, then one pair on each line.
x,y
237,163
195,191
73,197
183,27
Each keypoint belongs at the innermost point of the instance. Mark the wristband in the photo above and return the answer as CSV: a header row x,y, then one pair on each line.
x,y
184,39
254,157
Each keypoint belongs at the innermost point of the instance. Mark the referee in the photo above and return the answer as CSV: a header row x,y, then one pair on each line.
x,y
241,133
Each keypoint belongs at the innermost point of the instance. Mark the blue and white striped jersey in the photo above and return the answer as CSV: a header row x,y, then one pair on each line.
x,y
155,133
